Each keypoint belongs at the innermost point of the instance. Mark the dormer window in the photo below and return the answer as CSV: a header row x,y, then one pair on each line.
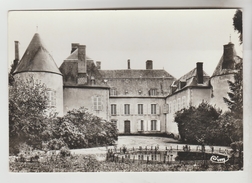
x,y
139,92
126,92
92,80
153,92
113,92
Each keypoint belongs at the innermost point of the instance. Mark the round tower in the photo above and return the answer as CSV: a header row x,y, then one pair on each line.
x,y
37,62
223,73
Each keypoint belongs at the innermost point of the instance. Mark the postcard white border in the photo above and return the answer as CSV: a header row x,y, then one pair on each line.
x,y
243,176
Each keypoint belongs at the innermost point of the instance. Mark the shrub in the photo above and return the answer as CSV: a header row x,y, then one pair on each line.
x,y
64,152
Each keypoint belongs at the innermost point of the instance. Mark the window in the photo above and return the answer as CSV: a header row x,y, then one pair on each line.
x,y
153,125
153,92
183,101
153,108
92,79
126,109
170,107
113,92
51,98
174,105
179,103
140,108
97,103
142,125
113,109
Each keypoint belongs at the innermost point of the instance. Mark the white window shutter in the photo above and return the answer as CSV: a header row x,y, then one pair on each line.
x,y
148,108
92,106
157,109
145,125
149,125
136,109
145,108
132,108
122,109
158,125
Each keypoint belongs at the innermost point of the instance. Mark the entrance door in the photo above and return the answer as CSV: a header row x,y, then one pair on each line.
x,y
126,126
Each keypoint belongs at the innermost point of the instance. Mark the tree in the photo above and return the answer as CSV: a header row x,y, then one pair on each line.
x,y
27,112
237,23
235,100
198,125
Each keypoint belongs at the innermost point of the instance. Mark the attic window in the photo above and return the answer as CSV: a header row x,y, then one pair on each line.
x,y
92,80
182,84
153,92
140,92
126,92
113,92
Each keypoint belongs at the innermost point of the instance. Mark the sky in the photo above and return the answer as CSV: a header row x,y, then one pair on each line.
x,y
175,40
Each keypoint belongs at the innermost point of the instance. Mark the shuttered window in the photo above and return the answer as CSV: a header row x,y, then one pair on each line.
x,y
113,109
140,109
153,125
142,125
183,102
51,96
153,108
97,104
126,109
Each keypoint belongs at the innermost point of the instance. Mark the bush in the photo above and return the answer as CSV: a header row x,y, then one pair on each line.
x,y
64,152
198,125
80,129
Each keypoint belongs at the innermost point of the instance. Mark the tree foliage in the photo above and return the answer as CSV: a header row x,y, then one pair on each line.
x,y
237,23
198,125
83,129
27,111
235,100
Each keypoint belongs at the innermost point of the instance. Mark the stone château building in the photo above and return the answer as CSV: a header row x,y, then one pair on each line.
x,y
138,101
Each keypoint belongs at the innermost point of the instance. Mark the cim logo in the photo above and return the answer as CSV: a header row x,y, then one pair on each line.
x,y
216,159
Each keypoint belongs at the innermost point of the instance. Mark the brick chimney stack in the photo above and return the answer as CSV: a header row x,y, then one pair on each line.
x,y
82,65
74,47
200,72
149,64
128,63
16,50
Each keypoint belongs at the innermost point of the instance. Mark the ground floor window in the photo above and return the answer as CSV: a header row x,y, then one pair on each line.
x,y
153,125
142,125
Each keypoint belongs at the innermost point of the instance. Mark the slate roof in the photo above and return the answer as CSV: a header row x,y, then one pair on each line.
x,y
132,73
37,59
69,69
190,80
138,83
219,71
74,56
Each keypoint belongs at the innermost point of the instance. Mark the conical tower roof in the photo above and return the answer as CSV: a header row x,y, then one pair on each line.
x,y
36,58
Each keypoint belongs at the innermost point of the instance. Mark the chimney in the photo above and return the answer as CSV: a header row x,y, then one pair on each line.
x,y
228,56
200,72
128,63
74,47
149,64
82,65
16,50
98,65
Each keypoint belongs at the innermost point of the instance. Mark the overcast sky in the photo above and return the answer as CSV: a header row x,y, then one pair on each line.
x,y
174,39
